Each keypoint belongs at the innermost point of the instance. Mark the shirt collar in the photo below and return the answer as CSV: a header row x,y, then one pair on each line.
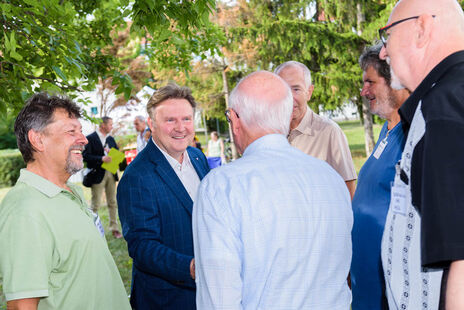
x,y
172,161
101,135
41,184
408,109
270,141
305,125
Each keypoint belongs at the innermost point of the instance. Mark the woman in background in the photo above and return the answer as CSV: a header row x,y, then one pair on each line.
x,y
215,152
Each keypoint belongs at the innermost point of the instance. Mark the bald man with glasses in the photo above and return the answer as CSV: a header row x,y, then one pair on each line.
x,y
423,240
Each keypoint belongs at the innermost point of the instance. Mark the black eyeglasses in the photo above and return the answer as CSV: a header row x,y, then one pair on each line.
x,y
383,31
227,114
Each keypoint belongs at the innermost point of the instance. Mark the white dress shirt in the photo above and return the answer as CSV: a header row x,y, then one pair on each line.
x,y
272,230
185,171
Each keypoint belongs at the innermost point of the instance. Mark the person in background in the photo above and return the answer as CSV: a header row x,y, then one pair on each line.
x,y
53,250
95,154
272,230
311,133
155,198
143,132
196,143
215,152
372,196
423,240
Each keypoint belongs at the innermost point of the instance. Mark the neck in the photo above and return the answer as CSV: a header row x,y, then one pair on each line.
x,y
393,120
45,171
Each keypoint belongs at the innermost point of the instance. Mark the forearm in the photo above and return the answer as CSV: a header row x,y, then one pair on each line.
x,y
351,185
23,304
455,286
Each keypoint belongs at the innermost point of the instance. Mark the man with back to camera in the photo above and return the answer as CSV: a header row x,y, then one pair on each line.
x,y
372,197
423,241
96,153
311,133
155,197
53,251
271,229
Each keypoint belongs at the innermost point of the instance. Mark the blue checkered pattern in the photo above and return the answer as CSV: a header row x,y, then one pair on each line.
x,y
272,230
155,212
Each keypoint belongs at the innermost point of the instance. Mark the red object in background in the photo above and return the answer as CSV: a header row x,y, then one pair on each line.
x,y
130,155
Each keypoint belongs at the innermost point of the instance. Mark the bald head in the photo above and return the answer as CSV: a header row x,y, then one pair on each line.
x,y
416,45
264,102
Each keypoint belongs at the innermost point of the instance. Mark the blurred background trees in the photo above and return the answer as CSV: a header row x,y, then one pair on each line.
x,y
116,47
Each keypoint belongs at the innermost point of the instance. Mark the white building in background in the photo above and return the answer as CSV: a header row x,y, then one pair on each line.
x,y
347,112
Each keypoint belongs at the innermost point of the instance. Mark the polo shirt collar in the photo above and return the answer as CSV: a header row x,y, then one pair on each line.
x,y
408,109
304,126
41,184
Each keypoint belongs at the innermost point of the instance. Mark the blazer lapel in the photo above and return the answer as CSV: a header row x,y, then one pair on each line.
x,y
169,176
196,162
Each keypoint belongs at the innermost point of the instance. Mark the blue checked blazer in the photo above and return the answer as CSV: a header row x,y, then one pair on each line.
x,y
156,216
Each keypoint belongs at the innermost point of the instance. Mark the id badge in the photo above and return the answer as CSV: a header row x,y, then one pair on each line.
x,y
380,149
98,223
398,198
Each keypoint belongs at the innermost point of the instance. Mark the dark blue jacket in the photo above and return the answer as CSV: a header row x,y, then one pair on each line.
x,y
156,216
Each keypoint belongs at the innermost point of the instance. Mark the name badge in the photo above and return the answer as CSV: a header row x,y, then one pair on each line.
x,y
98,223
398,199
380,149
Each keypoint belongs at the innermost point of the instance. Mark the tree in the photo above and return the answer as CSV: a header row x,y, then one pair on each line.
x,y
60,45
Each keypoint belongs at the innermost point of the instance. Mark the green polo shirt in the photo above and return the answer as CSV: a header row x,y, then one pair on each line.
x,y
51,248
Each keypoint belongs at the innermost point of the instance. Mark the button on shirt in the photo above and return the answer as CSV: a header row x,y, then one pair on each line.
x,y
184,171
272,230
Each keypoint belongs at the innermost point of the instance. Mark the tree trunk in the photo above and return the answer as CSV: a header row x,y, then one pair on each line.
x,y
359,19
226,97
368,130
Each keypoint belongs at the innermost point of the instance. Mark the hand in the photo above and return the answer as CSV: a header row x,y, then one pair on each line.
x,y
106,159
192,268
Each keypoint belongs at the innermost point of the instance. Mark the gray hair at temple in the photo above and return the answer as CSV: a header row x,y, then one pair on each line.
x,y
293,63
256,110
140,118
36,115
370,58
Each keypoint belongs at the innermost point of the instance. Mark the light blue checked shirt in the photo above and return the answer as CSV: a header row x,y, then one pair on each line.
x,y
272,230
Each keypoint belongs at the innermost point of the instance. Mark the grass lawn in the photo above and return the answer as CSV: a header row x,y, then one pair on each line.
x,y
354,132
118,247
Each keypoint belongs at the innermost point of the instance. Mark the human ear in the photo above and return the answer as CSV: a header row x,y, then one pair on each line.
x,y
310,91
35,138
423,27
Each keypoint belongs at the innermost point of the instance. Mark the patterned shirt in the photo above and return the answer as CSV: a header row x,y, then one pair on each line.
x,y
272,230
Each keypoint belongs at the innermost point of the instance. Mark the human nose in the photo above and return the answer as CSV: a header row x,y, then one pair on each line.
x,y
383,53
82,139
364,90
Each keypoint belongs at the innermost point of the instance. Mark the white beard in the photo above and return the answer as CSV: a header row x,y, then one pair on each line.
x,y
395,82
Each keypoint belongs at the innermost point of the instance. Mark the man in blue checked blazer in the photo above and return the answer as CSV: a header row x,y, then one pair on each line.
x,y
155,198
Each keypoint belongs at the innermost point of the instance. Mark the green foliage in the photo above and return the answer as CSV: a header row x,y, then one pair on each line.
x,y
11,162
54,46
65,45
176,30
332,56
7,136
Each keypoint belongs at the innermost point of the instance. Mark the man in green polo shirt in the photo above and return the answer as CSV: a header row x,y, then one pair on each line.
x,y
53,251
